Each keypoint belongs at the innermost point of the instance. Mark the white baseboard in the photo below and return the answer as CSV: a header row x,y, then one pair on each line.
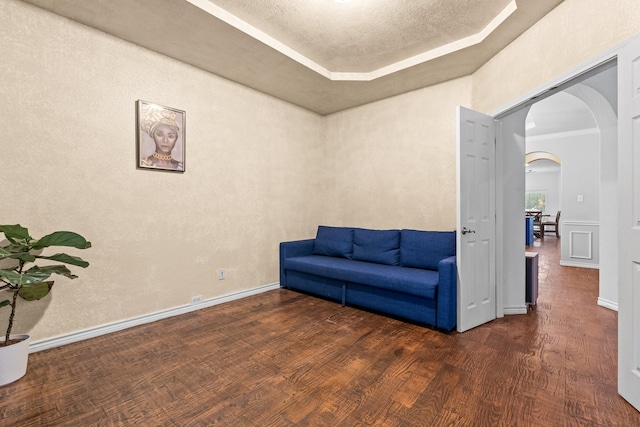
x,y
515,310
608,304
579,264
86,334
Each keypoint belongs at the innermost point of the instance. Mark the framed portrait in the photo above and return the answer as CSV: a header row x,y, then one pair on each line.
x,y
160,142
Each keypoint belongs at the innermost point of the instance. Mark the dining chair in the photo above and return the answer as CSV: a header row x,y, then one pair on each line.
x,y
547,225
537,223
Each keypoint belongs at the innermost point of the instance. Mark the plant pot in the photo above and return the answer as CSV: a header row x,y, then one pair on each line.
x,y
13,359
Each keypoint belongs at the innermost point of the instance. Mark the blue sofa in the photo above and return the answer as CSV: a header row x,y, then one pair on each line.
x,y
409,274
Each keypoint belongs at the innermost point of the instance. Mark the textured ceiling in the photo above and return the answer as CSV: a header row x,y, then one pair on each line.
x,y
318,54
364,35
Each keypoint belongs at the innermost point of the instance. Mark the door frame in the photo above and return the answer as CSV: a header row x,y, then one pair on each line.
x,y
509,272
510,224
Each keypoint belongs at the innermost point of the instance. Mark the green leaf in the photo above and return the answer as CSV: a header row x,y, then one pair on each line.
x,y
62,238
67,259
46,271
4,303
34,291
15,232
12,276
24,256
33,275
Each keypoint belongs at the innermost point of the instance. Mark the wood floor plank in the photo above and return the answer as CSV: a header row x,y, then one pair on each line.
x,y
287,359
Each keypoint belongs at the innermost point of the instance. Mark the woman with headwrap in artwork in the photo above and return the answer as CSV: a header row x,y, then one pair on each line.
x,y
162,127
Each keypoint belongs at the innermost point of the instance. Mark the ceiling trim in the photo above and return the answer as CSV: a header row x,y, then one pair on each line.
x,y
458,45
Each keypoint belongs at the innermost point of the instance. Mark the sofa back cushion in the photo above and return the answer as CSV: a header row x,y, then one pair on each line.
x,y
379,246
334,241
425,249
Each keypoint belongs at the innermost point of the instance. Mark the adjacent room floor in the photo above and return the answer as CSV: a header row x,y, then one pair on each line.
x,y
286,359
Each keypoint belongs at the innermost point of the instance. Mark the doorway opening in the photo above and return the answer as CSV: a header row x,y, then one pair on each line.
x,y
579,125
596,91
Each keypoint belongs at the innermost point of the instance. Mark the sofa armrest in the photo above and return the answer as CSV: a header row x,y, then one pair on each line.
x,y
293,249
447,294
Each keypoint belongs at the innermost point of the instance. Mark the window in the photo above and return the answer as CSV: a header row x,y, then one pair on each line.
x,y
534,200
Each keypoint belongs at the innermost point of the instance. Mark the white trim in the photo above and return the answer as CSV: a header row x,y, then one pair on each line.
x,y
579,264
458,45
516,310
567,134
499,242
582,223
607,304
86,334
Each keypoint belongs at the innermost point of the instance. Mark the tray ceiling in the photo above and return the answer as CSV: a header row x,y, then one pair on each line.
x,y
322,55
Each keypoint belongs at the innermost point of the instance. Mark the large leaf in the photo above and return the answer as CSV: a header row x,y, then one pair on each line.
x,y
62,238
46,271
33,275
34,291
24,256
13,232
67,259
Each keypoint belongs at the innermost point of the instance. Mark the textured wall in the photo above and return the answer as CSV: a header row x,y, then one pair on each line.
x,y
257,171
574,32
392,163
68,161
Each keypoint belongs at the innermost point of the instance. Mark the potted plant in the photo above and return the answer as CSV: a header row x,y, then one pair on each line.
x,y
18,279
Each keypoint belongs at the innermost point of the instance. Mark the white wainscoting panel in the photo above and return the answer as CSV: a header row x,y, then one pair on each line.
x,y
580,244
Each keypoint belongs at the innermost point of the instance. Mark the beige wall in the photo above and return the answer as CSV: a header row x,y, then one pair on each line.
x,y
573,33
259,170
392,164
68,161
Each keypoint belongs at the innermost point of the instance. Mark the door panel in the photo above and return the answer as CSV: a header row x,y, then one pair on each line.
x,y
629,224
476,219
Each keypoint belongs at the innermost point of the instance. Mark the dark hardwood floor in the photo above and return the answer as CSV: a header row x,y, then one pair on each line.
x,y
286,359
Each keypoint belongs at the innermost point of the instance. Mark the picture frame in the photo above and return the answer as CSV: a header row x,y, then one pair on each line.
x,y
160,137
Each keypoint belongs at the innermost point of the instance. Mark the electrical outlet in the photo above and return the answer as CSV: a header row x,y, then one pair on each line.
x,y
196,299
220,274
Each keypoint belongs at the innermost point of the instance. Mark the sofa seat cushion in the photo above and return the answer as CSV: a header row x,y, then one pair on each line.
x,y
412,281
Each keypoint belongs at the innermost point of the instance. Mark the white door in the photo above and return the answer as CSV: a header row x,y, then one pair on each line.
x,y
476,225
629,225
